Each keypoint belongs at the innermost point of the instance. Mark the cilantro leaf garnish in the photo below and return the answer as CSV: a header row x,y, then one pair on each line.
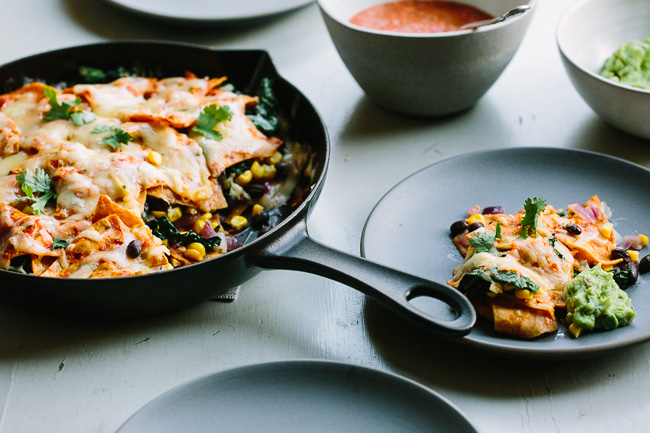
x,y
114,140
38,182
210,117
64,109
482,242
497,231
82,117
117,138
529,222
60,244
58,111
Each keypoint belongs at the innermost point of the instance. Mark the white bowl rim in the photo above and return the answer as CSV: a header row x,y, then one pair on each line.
x,y
589,72
493,27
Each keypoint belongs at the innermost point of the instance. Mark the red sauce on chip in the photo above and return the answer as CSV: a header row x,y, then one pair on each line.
x,y
419,16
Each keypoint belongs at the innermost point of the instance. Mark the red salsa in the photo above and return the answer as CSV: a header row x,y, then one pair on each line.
x,y
419,16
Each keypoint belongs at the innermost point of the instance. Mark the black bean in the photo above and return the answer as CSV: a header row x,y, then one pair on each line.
x,y
620,253
474,226
281,170
264,229
627,277
255,190
157,204
260,219
458,227
134,249
644,264
491,210
573,229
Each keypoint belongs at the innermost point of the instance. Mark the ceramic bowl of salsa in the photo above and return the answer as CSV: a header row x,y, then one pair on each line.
x,y
588,34
425,65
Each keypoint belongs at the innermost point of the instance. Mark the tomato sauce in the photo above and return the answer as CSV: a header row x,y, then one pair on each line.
x,y
419,16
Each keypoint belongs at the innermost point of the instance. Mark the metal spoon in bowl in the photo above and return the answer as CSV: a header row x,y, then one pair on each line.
x,y
511,13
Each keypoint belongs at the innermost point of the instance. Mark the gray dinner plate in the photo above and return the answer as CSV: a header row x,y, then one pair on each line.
x,y
302,396
222,12
409,227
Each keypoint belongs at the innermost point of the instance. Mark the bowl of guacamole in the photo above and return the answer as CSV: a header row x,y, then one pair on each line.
x,y
605,49
630,64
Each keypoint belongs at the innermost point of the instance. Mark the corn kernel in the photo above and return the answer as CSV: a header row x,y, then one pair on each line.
x,y
476,218
175,263
206,216
174,213
634,255
244,178
154,158
275,158
269,172
523,294
214,224
198,247
257,209
198,226
169,267
238,222
606,229
257,170
165,242
158,213
193,254
575,330
644,240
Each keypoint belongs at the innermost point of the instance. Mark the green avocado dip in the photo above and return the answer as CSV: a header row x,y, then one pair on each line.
x,y
630,64
594,301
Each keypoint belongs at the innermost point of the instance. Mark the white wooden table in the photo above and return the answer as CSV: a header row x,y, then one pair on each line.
x,y
66,376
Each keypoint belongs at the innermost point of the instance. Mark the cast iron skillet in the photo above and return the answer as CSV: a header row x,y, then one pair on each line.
x,y
287,246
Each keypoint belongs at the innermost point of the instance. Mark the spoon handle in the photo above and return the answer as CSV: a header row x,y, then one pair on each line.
x,y
511,13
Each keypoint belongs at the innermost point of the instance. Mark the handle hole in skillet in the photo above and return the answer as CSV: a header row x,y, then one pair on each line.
x,y
434,307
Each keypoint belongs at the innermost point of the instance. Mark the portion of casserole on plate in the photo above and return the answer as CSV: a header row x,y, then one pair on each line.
x,y
521,269
137,175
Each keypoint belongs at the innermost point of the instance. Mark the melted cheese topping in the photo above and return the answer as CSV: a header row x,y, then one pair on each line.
x,y
89,175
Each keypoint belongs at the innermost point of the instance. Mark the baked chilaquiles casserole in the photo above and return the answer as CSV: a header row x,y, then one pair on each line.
x,y
138,174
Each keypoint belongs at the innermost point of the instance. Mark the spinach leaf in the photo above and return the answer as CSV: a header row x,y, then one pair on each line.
x,y
164,229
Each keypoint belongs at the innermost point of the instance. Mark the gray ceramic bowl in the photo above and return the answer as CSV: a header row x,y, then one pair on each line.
x,y
587,35
426,74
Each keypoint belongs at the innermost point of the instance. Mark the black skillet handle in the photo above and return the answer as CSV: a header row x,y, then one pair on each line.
x,y
392,288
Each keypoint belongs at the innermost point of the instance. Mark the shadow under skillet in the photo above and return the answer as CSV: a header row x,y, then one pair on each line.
x,y
116,24
447,366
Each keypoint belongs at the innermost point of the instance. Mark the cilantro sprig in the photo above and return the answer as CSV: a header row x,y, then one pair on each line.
x,y
529,222
209,118
483,242
114,140
64,110
37,186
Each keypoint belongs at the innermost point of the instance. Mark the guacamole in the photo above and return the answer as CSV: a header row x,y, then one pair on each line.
x,y
630,64
594,301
